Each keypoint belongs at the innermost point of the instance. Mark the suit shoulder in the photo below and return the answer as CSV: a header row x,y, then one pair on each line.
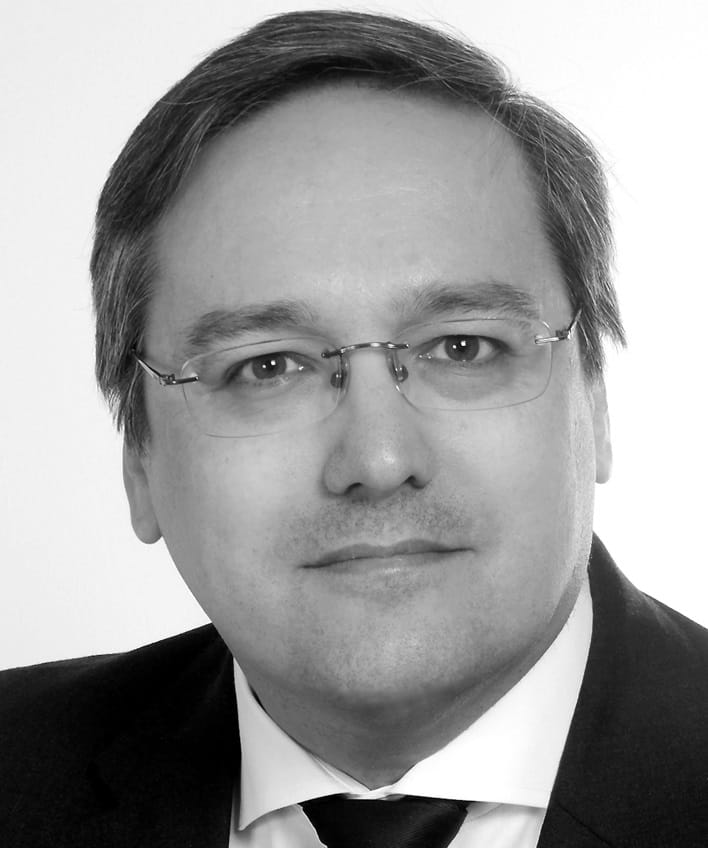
x,y
69,705
668,640
687,635
93,672
644,630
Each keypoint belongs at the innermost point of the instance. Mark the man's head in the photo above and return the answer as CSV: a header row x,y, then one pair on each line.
x,y
370,172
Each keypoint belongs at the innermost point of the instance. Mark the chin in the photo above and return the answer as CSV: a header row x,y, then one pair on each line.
x,y
412,674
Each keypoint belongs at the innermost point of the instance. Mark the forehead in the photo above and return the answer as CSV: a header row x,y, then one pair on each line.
x,y
347,197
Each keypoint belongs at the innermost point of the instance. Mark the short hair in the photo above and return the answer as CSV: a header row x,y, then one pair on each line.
x,y
295,50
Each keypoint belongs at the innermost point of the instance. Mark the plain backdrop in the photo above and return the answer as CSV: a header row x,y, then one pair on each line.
x,y
76,77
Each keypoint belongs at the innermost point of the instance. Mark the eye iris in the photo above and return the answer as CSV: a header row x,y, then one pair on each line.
x,y
462,348
272,365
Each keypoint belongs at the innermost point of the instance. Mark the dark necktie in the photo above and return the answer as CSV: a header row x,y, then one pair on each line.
x,y
410,822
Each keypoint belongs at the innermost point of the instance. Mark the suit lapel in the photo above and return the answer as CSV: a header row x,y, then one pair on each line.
x,y
167,779
562,830
634,761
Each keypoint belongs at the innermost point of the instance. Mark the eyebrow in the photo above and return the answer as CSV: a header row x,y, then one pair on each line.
x,y
490,298
225,325
415,305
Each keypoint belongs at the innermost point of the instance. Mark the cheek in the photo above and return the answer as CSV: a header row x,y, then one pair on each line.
x,y
223,504
251,488
530,467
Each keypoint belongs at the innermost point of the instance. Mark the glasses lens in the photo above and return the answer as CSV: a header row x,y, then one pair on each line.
x,y
477,364
283,384
261,388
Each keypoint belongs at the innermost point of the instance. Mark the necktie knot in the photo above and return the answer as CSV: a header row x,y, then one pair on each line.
x,y
409,822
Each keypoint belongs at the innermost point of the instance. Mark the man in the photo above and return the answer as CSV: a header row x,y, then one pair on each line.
x,y
351,289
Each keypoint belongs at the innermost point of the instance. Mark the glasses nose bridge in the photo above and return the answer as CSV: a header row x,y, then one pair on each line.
x,y
397,369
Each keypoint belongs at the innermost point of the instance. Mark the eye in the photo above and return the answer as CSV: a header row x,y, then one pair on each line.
x,y
270,365
476,350
260,369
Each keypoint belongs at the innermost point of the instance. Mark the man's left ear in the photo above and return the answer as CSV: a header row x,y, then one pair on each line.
x,y
142,511
601,429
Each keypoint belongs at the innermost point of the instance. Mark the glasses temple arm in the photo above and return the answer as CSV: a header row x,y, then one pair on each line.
x,y
561,335
162,379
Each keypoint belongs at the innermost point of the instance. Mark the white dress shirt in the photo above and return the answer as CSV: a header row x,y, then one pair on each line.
x,y
505,763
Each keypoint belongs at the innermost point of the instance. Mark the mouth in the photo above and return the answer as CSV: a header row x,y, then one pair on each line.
x,y
409,550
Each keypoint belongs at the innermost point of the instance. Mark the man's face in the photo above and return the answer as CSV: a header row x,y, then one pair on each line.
x,y
352,200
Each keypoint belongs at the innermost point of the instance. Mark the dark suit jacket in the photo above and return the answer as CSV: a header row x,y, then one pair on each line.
x,y
141,749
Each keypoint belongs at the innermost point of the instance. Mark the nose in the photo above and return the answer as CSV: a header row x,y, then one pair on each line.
x,y
377,441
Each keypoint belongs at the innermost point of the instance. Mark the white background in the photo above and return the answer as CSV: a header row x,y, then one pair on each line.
x,y
75,78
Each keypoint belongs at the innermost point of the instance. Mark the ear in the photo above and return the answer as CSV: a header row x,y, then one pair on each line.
x,y
142,513
601,429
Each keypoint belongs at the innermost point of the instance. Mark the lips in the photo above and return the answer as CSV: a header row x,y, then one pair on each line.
x,y
365,551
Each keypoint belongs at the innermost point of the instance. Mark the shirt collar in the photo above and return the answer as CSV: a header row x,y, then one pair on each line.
x,y
509,755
